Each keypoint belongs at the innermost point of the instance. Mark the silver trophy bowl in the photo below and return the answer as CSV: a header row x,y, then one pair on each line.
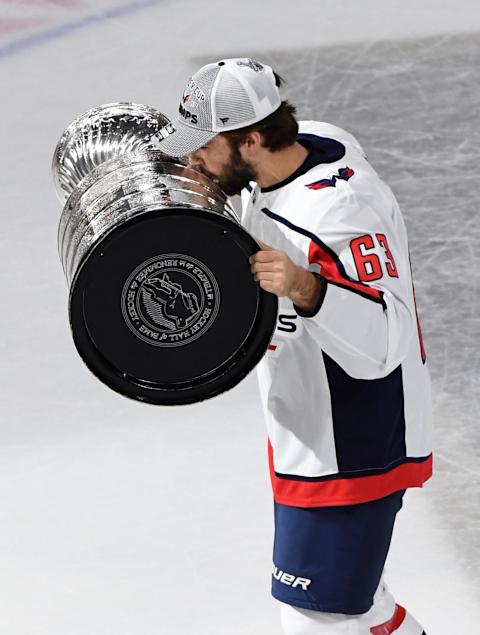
x,y
100,134
162,306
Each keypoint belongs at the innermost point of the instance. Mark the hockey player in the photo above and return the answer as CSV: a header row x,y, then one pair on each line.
x,y
344,385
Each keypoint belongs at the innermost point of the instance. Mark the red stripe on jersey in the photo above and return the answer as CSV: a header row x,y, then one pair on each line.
x,y
272,347
347,491
330,271
392,624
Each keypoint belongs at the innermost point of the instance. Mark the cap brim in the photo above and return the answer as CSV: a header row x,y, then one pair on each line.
x,y
184,140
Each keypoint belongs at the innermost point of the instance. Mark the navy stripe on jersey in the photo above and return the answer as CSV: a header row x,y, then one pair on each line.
x,y
353,473
368,418
368,424
342,279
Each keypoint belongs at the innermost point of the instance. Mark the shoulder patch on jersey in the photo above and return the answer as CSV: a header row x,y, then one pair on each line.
x,y
343,174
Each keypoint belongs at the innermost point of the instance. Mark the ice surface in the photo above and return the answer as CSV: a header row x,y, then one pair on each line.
x,y
120,518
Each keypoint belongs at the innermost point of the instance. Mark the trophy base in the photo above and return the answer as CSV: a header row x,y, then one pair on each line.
x,y
164,308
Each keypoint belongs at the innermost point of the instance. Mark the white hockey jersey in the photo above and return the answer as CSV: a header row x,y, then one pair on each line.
x,y
345,389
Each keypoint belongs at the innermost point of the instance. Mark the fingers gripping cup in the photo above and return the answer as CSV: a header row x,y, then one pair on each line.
x,y
163,307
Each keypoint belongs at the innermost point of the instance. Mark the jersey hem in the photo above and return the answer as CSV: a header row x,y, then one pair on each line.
x,y
348,491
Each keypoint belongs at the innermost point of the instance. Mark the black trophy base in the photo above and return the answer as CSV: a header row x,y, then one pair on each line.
x,y
164,309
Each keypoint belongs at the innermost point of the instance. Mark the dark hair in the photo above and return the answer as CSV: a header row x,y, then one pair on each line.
x,y
279,130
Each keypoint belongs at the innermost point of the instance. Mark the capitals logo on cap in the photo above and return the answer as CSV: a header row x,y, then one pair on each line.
x,y
193,95
193,90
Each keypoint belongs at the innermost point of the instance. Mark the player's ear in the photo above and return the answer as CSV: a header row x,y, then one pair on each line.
x,y
253,142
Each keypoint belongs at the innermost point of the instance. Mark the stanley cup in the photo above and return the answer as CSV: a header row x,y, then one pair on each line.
x,y
162,305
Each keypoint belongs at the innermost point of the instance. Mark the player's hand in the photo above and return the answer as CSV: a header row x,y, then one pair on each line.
x,y
274,270
277,273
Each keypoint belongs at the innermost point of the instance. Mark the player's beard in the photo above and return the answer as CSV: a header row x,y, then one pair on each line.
x,y
237,173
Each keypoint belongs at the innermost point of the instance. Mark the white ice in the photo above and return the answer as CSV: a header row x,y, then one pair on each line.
x,y
120,518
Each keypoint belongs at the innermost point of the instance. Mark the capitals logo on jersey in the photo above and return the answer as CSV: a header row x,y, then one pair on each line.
x,y
343,174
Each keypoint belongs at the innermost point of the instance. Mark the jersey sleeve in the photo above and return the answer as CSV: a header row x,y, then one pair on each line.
x,y
366,317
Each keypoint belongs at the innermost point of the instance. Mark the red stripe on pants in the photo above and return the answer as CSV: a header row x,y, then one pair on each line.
x,y
393,623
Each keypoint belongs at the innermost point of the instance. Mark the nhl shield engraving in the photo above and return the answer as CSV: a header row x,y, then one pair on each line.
x,y
170,300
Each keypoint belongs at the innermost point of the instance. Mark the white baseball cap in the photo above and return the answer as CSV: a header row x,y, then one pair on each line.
x,y
226,95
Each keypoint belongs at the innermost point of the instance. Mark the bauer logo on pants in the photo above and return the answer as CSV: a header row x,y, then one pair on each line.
x,y
289,579
170,300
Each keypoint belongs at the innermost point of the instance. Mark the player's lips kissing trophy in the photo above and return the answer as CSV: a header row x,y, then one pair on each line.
x,y
163,306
